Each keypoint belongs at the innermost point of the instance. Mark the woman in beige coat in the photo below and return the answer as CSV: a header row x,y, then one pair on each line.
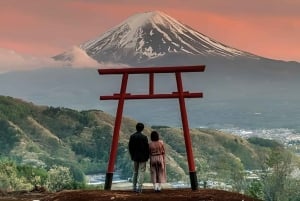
x,y
157,161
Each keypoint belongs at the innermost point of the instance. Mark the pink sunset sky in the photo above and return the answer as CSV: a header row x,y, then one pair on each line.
x,y
269,28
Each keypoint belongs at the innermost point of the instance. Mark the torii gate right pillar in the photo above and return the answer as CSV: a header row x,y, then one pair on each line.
x,y
186,133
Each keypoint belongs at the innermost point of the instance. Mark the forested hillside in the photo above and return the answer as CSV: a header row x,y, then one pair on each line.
x,y
42,136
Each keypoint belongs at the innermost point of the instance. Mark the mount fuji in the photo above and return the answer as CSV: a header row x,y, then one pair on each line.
x,y
146,37
240,89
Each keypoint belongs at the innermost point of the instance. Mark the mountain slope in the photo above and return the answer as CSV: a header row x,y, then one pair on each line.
x,y
43,136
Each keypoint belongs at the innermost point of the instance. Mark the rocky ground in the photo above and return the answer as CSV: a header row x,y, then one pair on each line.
x,y
118,195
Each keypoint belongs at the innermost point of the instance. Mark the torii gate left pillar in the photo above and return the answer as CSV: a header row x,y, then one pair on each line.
x,y
180,94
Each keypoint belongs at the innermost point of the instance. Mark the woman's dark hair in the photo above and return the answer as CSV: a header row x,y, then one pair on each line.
x,y
139,127
154,136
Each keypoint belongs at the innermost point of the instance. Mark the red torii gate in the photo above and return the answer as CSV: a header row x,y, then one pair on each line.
x,y
180,94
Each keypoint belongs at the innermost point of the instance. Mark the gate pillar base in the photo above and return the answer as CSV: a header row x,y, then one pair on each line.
x,y
108,181
194,181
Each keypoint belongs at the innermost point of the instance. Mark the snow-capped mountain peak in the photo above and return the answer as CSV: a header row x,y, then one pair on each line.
x,y
156,17
150,35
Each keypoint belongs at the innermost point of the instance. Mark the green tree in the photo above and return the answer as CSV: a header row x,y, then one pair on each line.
x,y
34,176
9,179
59,178
255,190
275,177
8,137
101,136
238,177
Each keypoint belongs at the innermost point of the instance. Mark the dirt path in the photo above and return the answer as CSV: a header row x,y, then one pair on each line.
x,y
118,195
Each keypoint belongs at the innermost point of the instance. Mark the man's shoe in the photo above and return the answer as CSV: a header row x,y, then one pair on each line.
x,y
138,190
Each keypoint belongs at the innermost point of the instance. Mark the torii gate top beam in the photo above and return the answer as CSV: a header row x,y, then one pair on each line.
x,y
142,70
151,71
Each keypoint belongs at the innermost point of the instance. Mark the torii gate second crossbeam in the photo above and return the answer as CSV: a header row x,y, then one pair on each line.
x,y
180,94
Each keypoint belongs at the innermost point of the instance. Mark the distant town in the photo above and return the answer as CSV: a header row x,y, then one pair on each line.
x,y
287,137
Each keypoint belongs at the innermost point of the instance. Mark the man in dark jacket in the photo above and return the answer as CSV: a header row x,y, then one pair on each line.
x,y
139,153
